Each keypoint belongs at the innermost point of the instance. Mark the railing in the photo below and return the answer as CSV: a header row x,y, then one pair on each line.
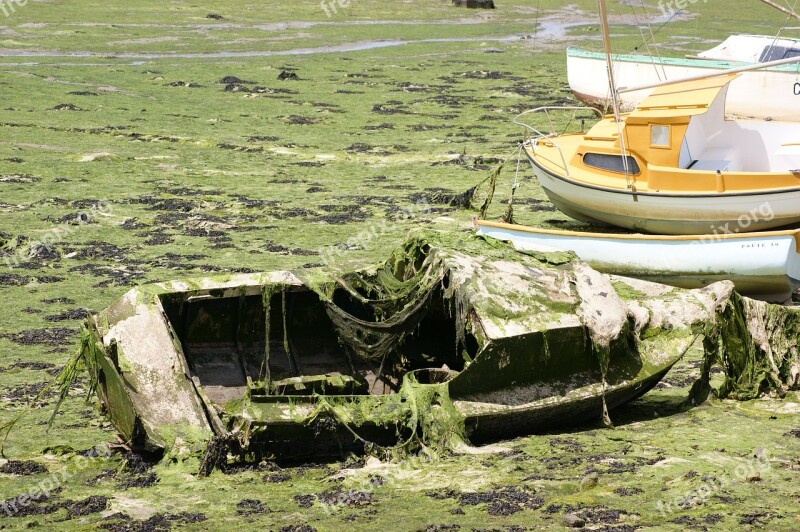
x,y
534,135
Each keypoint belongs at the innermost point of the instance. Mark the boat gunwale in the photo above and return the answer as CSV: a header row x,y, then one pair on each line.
x,y
642,237
665,194
712,64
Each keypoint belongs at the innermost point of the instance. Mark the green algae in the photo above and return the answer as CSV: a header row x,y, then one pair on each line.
x,y
628,292
396,294
424,417
169,150
754,363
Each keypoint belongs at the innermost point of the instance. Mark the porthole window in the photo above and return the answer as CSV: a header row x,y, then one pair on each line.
x,y
610,162
659,136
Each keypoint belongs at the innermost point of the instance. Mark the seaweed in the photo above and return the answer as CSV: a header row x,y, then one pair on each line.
x,y
756,344
425,420
62,382
384,307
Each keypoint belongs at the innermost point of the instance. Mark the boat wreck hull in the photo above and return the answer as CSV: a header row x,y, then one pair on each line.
x,y
483,423
495,344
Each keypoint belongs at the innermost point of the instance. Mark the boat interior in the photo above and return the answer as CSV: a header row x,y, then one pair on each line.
x,y
714,143
224,342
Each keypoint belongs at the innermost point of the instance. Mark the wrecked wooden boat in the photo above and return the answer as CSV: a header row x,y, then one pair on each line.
x,y
765,265
453,339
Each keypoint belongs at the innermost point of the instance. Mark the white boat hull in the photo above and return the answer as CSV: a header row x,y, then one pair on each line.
x,y
670,214
766,94
766,265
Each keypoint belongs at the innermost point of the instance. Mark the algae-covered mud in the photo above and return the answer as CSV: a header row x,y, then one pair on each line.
x,y
155,141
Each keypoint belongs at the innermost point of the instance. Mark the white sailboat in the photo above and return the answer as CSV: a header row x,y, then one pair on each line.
x,y
778,87
674,165
686,169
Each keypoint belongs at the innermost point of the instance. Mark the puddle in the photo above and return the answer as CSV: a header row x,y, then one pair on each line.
x,y
550,29
347,47
275,26
556,27
547,29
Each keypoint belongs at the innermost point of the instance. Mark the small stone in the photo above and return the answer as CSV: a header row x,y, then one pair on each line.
x,y
589,481
574,521
372,462
755,476
100,156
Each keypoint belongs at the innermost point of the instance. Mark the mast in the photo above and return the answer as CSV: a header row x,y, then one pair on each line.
x,y
612,85
601,7
781,8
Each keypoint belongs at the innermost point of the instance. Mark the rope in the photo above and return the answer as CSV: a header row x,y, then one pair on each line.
x,y
508,217
653,33
492,179
788,17
661,75
655,45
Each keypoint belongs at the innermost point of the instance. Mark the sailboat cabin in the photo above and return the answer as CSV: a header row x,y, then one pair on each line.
x,y
679,139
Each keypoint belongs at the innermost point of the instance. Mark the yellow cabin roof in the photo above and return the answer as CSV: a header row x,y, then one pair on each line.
x,y
603,130
683,99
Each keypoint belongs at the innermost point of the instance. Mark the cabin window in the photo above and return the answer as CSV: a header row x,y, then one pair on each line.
x,y
612,163
773,53
659,136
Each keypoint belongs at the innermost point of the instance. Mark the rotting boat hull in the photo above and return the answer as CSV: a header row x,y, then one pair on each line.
x,y
484,424
495,344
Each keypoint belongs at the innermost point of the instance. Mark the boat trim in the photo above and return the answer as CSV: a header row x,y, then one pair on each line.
x,y
671,61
